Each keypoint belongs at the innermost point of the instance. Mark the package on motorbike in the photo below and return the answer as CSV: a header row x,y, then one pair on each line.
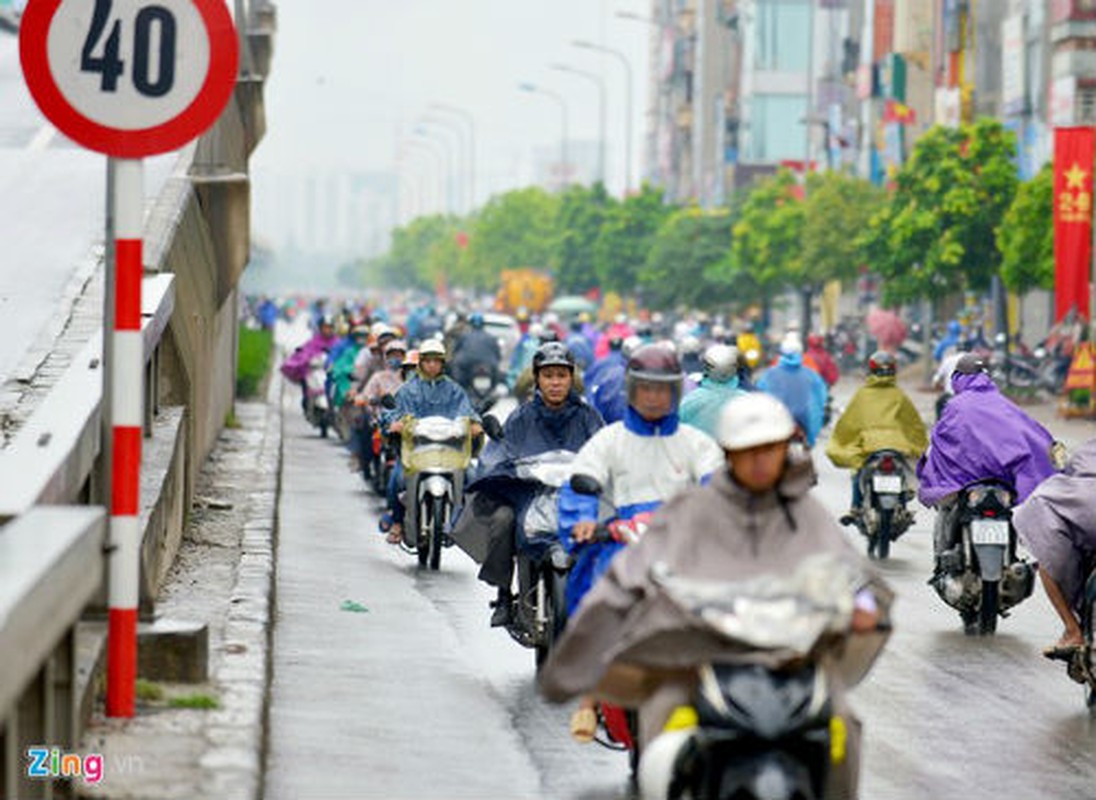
x,y
980,574
767,716
435,452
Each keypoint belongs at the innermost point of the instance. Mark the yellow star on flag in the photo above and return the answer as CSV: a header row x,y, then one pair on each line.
x,y
1075,177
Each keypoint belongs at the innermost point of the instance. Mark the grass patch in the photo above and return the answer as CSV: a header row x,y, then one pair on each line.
x,y
256,347
149,691
199,701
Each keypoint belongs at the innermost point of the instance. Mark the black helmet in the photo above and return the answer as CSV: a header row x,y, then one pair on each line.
x,y
553,354
654,363
970,364
882,363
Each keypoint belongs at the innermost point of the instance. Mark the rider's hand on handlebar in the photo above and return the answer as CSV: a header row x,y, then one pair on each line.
x,y
584,531
865,621
476,429
396,427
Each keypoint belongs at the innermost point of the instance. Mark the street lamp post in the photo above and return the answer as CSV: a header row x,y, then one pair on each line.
x,y
470,121
585,45
423,146
534,89
447,157
460,167
600,83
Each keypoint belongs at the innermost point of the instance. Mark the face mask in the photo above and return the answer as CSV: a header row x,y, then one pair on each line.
x,y
395,363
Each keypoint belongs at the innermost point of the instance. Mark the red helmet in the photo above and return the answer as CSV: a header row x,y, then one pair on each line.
x,y
816,340
882,363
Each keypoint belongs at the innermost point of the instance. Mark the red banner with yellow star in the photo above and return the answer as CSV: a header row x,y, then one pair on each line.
x,y
1073,161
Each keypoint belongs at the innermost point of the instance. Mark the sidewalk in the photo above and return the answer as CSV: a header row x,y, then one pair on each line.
x,y
223,577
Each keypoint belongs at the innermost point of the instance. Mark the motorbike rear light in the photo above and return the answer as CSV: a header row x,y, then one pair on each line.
x,y
989,512
886,464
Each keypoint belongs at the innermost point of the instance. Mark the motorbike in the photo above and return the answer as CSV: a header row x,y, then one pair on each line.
x,y
317,407
484,387
885,492
1081,667
981,575
763,722
435,452
539,609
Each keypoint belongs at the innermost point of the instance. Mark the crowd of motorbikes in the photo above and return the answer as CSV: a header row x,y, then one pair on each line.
x,y
758,732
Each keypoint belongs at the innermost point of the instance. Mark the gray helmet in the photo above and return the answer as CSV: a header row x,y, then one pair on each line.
x,y
552,354
720,361
970,364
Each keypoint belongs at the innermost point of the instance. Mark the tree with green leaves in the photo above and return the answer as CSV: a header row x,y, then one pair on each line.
x,y
582,213
1026,236
412,259
687,246
626,237
837,209
515,229
936,236
766,251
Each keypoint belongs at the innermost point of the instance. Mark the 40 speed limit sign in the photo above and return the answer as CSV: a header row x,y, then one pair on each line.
x,y
129,78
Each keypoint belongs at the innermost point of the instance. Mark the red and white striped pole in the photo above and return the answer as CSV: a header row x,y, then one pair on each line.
x,y
123,396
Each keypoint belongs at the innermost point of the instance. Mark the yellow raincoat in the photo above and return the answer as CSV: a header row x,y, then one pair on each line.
x,y
879,417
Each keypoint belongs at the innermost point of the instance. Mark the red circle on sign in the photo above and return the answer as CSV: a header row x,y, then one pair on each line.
x,y
189,124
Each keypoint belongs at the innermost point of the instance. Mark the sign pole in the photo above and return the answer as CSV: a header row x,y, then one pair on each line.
x,y
124,351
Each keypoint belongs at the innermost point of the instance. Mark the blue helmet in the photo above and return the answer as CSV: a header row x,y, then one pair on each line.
x,y
475,319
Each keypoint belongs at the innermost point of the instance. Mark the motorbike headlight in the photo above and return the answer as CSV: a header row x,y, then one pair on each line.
x,y
976,495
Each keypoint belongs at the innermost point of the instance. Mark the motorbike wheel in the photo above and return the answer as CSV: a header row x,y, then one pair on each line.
x,y
987,613
883,534
437,531
555,612
323,428
422,543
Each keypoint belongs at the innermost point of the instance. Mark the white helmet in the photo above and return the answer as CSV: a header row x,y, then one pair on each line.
x,y
754,419
690,344
432,347
379,328
720,361
630,345
792,344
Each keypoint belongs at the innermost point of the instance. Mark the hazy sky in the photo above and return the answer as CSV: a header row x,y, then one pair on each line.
x,y
350,78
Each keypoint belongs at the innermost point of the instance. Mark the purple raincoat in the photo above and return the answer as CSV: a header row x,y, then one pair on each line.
x,y
1058,522
295,367
982,435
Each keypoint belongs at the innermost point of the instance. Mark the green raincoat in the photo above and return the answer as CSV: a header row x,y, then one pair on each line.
x,y
879,417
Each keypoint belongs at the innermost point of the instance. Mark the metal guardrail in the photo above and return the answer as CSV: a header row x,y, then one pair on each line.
x,y
51,457
51,566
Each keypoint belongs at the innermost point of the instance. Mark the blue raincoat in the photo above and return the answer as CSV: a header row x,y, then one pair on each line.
x,y
982,435
441,397
700,408
610,396
799,388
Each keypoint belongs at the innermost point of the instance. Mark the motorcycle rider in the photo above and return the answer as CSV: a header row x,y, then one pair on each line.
x,y
755,517
579,344
981,435
640,463
879,417
557,418
798,387
1058,525
701,407
430,393
823,361
475,348
296,366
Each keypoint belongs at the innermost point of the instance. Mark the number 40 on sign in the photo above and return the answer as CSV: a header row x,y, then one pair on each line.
x,y
129,78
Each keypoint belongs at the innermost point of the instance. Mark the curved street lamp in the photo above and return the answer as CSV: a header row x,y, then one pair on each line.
x,y
470,121
623,59
600,82
532,88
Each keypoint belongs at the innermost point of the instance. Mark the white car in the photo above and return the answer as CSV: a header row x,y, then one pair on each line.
x,y
504,328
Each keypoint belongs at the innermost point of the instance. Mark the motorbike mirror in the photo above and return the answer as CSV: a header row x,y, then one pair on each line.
x,y
584,484
388,401
492,427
